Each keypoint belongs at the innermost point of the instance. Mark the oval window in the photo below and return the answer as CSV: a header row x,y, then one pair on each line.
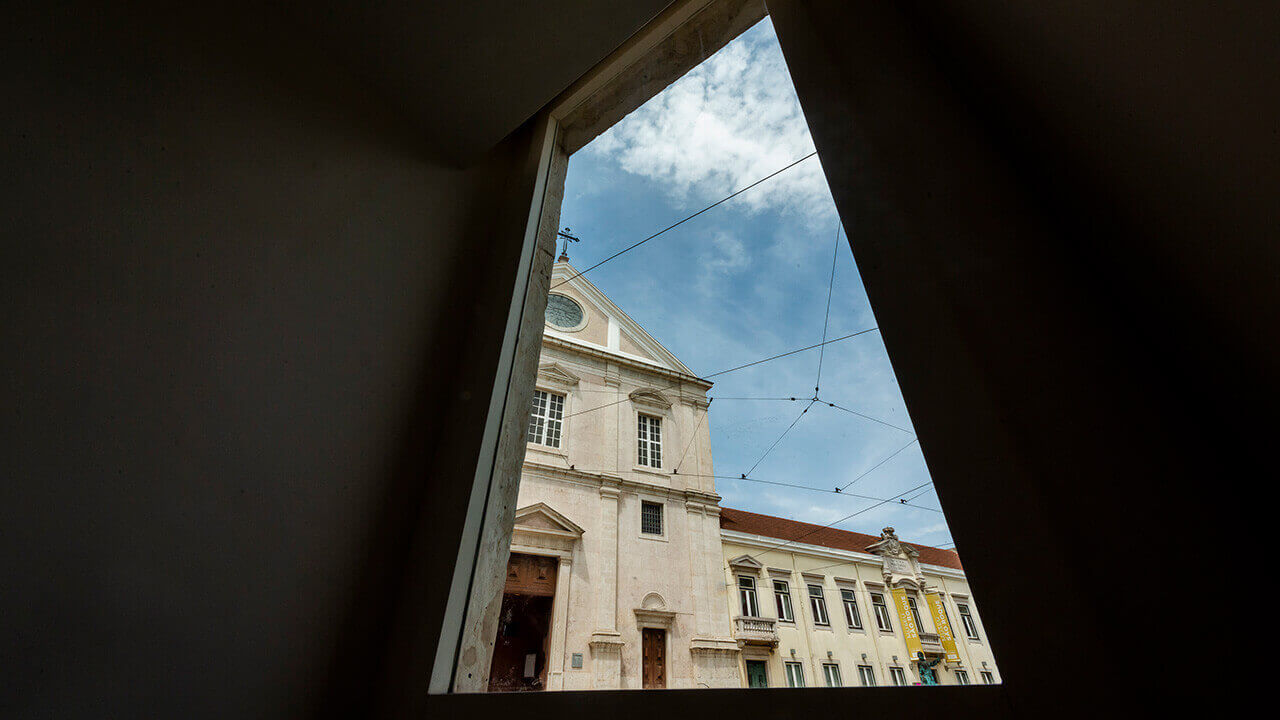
x,y
563,312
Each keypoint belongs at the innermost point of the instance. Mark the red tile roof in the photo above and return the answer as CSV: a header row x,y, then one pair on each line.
x,y
809,534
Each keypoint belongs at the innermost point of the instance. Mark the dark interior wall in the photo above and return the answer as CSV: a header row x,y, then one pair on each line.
x,y
1058,212
242,296
241,300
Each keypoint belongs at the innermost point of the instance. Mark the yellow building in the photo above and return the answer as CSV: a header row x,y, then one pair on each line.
x,y
817,606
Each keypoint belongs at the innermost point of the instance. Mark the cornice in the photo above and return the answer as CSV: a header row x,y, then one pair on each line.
x,y
625,361
613,483
826,553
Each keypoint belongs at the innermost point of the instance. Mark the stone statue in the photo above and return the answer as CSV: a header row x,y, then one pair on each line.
x,y
890,541
927,674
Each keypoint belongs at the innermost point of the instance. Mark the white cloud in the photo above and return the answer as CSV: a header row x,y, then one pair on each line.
x,y
729,122
723,257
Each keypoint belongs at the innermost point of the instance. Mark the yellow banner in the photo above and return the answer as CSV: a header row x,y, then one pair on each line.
x,y
939,613
910,632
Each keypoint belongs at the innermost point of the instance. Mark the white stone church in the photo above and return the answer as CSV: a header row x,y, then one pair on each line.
x,y
620,555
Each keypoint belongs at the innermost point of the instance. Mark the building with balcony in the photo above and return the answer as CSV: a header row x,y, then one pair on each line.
x,y
817,606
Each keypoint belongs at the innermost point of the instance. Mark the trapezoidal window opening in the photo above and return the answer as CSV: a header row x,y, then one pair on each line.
x,y
714,414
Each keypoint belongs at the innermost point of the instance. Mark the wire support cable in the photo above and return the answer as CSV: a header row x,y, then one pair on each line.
x,y
832,525
868,417
831,284
732,369
784,434
693,436
802,487
873,467
673,226
791,352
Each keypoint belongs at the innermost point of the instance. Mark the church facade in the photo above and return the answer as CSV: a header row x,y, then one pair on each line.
x,y
625,572
615,578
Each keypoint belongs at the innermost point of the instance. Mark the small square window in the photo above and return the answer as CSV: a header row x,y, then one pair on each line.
x,y
651,518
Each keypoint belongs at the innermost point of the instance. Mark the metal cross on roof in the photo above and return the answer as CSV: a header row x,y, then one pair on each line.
x,y
564,249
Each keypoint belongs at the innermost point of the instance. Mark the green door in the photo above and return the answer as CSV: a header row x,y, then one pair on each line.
x,y
756,676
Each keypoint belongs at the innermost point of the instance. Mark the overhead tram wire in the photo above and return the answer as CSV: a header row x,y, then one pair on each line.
x,y
831,284
868,417
873,467
733,369
793,399
913,497
784,434
693,436
687,219
832,525
791,352
801,487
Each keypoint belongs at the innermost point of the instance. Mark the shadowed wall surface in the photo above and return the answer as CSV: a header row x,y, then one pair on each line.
x,y
247,278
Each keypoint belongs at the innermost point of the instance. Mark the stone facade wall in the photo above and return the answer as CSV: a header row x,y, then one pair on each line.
x,y
812,642
620,579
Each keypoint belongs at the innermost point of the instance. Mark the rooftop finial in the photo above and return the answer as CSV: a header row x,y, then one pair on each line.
x,y
564,249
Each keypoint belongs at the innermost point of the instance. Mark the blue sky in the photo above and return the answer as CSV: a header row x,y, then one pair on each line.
x,y
748,280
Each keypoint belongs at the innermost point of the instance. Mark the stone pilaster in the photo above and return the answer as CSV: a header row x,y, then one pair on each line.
x,y
699,602
720,624
606,641
559,625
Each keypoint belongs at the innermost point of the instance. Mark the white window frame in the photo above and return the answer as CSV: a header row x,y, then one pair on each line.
x,y
830,672
881,610
818,605
546,422
782,600
648,440
962,676
967,620
852,618
867,675
898,676
748,600
795,674
988,677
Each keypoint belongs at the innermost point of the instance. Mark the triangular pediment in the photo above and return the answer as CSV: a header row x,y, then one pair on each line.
x,y
628,337
556,374
542,517
745,562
